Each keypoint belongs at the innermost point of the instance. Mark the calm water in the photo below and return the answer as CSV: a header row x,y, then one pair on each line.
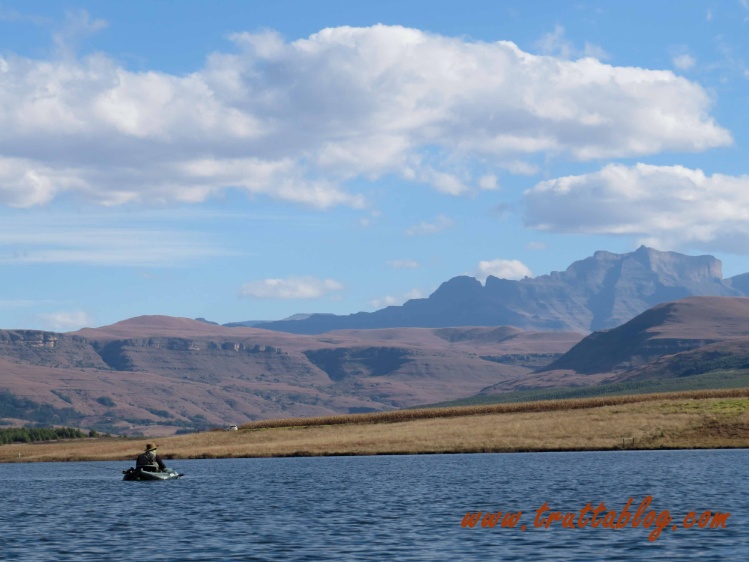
x,y
372,508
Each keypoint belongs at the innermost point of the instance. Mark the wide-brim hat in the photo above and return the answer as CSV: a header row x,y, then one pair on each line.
x,y
151,447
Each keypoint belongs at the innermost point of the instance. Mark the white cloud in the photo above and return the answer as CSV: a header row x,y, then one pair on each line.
x,y
555,43
404,264
66,321
684,61
290,288
440,223
504,269
664,206
390,300
299,120
387,300
520,168
77,26
536,246
488,182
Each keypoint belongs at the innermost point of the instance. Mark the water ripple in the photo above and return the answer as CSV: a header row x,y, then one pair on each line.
x,y
372,508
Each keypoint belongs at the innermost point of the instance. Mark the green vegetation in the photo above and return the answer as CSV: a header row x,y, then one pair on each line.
x,y
530,360
61,396
159,413
731,407
687,366
712,380
22,408
31,434
106,401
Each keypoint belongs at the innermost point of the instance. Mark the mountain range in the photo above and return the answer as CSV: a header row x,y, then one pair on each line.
x,y
160,375
599,292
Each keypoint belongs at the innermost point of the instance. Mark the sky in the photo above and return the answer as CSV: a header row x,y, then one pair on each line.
x,y
249,160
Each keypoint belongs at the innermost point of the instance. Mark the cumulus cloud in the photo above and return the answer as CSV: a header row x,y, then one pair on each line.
x,y
441,223
290,288
387,300
504,269
65,321
390,300
663,206
301,120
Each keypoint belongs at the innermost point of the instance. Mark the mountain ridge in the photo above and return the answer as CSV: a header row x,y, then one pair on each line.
x,y
166,374
163,374
598,292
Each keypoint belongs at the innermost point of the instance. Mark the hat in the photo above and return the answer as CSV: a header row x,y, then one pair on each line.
x,y
151,447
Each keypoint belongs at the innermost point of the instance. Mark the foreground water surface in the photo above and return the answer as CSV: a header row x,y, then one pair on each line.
x,y
376,508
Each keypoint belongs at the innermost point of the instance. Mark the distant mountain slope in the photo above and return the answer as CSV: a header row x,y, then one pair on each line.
x,y
599,292
676,339
665,329
159,374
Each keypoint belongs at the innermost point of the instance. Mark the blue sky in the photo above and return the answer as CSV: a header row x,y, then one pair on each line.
x,y
251,160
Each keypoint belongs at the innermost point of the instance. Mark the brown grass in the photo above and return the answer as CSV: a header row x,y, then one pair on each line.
x,y
459,411
704,419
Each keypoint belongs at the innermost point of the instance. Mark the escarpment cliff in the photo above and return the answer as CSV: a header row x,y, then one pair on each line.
x,y
49,349
160,375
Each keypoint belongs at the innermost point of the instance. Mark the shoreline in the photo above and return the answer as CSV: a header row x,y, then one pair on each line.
x,y
304,454
719,420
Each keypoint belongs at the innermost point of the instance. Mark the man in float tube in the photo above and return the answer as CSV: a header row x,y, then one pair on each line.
x,y
149,461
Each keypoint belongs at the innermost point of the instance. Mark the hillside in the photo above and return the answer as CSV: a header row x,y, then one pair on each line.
x,y
160,374
599,292
683,338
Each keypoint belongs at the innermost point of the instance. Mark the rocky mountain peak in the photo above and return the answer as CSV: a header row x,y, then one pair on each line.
x,y
598,292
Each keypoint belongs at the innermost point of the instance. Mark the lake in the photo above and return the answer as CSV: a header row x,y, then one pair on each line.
x,y
382,508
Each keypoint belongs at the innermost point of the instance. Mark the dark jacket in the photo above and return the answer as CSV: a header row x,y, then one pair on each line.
x,y
150,461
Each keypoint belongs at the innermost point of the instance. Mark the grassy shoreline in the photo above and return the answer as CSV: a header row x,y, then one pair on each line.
x,y
680,420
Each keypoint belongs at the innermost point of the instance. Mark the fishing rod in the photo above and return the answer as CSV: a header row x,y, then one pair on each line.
x,y
119,469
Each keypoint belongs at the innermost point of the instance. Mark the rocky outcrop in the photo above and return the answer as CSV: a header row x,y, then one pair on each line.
x,y
48,349
118,354
340,363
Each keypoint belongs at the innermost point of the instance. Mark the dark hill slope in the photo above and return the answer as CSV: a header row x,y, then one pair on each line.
x,y
683,338
665,329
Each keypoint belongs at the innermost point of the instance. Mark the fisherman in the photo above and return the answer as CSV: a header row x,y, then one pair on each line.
x,y
149,460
